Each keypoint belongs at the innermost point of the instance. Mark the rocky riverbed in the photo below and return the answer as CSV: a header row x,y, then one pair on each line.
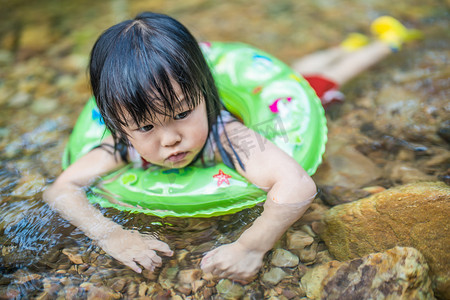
x,y
389,141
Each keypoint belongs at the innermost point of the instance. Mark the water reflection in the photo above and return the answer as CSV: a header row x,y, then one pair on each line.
x,y
44,48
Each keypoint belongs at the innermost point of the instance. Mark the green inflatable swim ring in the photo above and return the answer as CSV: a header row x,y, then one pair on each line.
x,y
263,92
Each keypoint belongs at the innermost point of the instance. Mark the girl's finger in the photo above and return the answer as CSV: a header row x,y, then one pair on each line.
x,y
224,274
209,254
206,265
217,272
159,246
145,261
133,266
208,258
157,261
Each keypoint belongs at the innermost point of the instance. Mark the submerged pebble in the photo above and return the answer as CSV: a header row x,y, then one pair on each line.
x,y
73,256
229,289
274,275
297,240
284,258
189,276
384,134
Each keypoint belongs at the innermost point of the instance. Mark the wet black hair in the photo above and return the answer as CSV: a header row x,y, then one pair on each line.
x,y
133,68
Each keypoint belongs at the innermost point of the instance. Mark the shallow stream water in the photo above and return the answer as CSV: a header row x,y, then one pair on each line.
x,y
396,116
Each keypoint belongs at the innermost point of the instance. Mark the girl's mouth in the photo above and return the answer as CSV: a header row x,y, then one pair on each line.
x,y
177,157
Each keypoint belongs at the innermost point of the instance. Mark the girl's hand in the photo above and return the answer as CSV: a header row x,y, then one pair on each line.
x,y
132,248
233,261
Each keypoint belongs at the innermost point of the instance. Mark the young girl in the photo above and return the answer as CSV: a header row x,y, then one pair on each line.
x,y
157,96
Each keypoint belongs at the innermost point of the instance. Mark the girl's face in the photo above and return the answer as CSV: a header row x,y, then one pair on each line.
x,y
171,142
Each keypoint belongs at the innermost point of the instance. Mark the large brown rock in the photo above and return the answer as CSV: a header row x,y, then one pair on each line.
x,y
399,273
344,166
415,215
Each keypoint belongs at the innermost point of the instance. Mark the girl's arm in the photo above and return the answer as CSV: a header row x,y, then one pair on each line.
x,y
290,192
67,196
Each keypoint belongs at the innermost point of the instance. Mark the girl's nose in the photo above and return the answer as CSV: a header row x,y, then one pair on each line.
x,y
170,138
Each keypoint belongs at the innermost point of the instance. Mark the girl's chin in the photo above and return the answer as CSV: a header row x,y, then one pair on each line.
x,y
178,164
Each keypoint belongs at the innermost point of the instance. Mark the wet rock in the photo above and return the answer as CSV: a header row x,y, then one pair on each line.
x,y
103,261
308,254
181,255
93,256
87,272
406,155
152,287
314,213
44,105
253,294
66,281
35,38
183,288
374,189
302,269
162,295
209,277
26,277
280,297
41,296
19,100
73,256
74,63
83,268
96,278
51,287
413,215
6,57
444,131
207,292
29,184
71,292
274,276
439,159
13,148
229,289
284,258
308,229
202,248
402,173
297,240
323,257
189,276
149,275
102,292
197,285
143,288
334,195
345,166
292,292
167,277
445,177
409,116
132,289
118,284
399,273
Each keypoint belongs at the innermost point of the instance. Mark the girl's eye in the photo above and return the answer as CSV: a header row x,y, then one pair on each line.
x,y
182,115
146,128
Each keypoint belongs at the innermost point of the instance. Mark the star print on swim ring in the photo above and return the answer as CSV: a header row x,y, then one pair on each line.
x,y
222,177
257,88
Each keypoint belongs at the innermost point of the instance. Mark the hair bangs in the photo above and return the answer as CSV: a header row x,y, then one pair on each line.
x,y
145,68
146,82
